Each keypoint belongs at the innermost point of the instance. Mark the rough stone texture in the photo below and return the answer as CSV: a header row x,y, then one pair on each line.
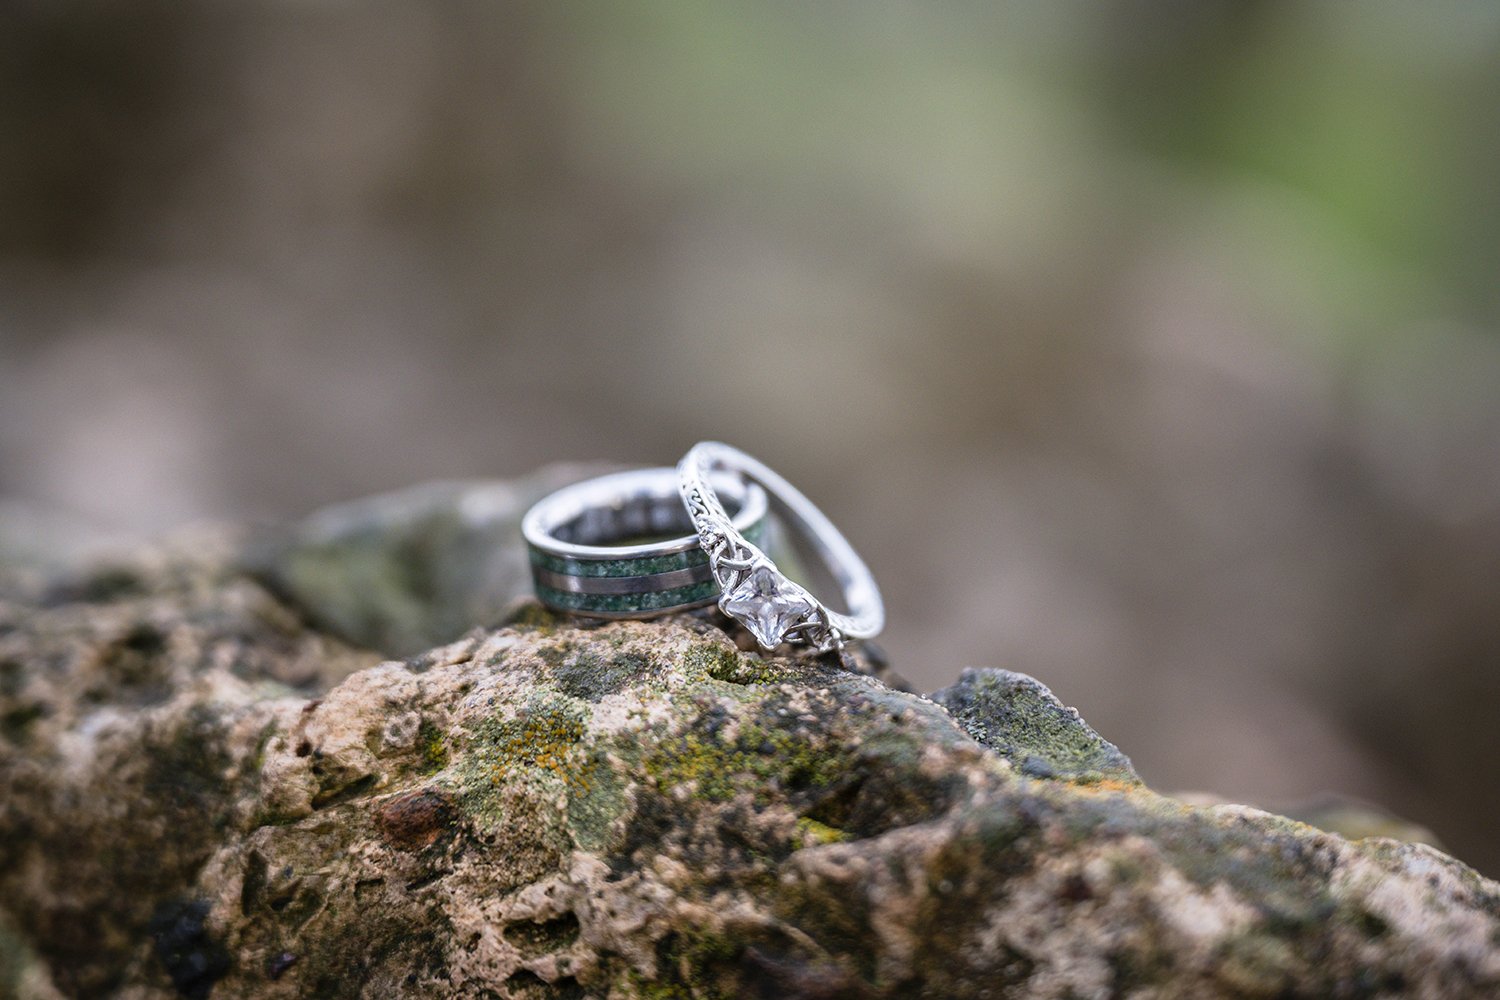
x,y
204,792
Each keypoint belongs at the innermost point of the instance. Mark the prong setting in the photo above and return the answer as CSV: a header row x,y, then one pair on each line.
x,y
769,605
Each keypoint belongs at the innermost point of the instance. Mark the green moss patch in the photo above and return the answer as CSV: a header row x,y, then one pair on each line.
x,y
432,746
541,742
590,676
1020,719
760,757
724,663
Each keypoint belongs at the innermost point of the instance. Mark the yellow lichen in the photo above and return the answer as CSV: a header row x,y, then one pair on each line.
x,y
1107,785
433,747
820,833
542,740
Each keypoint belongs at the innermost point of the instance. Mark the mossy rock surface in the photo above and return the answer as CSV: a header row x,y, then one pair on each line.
x,y
206,792
1019,718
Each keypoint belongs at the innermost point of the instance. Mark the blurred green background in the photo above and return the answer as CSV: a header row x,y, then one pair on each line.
x,y
1150,349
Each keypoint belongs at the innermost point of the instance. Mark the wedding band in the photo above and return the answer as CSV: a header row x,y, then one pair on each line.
x,y
594,551
755,592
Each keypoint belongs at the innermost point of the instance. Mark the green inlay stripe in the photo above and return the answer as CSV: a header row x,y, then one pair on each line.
x,y
698,593
642,566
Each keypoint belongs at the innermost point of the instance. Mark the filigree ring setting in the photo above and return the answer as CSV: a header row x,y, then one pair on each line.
x,y
774,608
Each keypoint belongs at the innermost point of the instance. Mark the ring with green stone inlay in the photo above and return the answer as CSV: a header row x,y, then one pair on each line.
x,y
621,545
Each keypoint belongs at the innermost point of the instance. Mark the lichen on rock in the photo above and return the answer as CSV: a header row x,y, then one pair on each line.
x,y
1019,718
207,790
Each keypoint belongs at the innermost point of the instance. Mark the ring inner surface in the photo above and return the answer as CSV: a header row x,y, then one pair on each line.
x,y
632,521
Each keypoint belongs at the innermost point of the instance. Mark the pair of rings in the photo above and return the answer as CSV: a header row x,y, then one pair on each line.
x,y
618,547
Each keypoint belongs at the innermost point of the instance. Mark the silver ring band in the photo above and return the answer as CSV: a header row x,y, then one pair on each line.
x,y
583,559
756,593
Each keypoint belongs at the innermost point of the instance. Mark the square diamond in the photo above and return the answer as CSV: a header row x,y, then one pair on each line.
x,y
768,604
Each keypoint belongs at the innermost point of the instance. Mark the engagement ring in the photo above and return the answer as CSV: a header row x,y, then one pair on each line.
x,y
755,592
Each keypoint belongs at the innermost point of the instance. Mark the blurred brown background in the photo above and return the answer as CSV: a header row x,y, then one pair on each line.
x,y
1150,349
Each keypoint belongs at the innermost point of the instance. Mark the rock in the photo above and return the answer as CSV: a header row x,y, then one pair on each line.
x,y
1350,818
409,570
38,544
22,974
1018,718
1357,820
203,793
